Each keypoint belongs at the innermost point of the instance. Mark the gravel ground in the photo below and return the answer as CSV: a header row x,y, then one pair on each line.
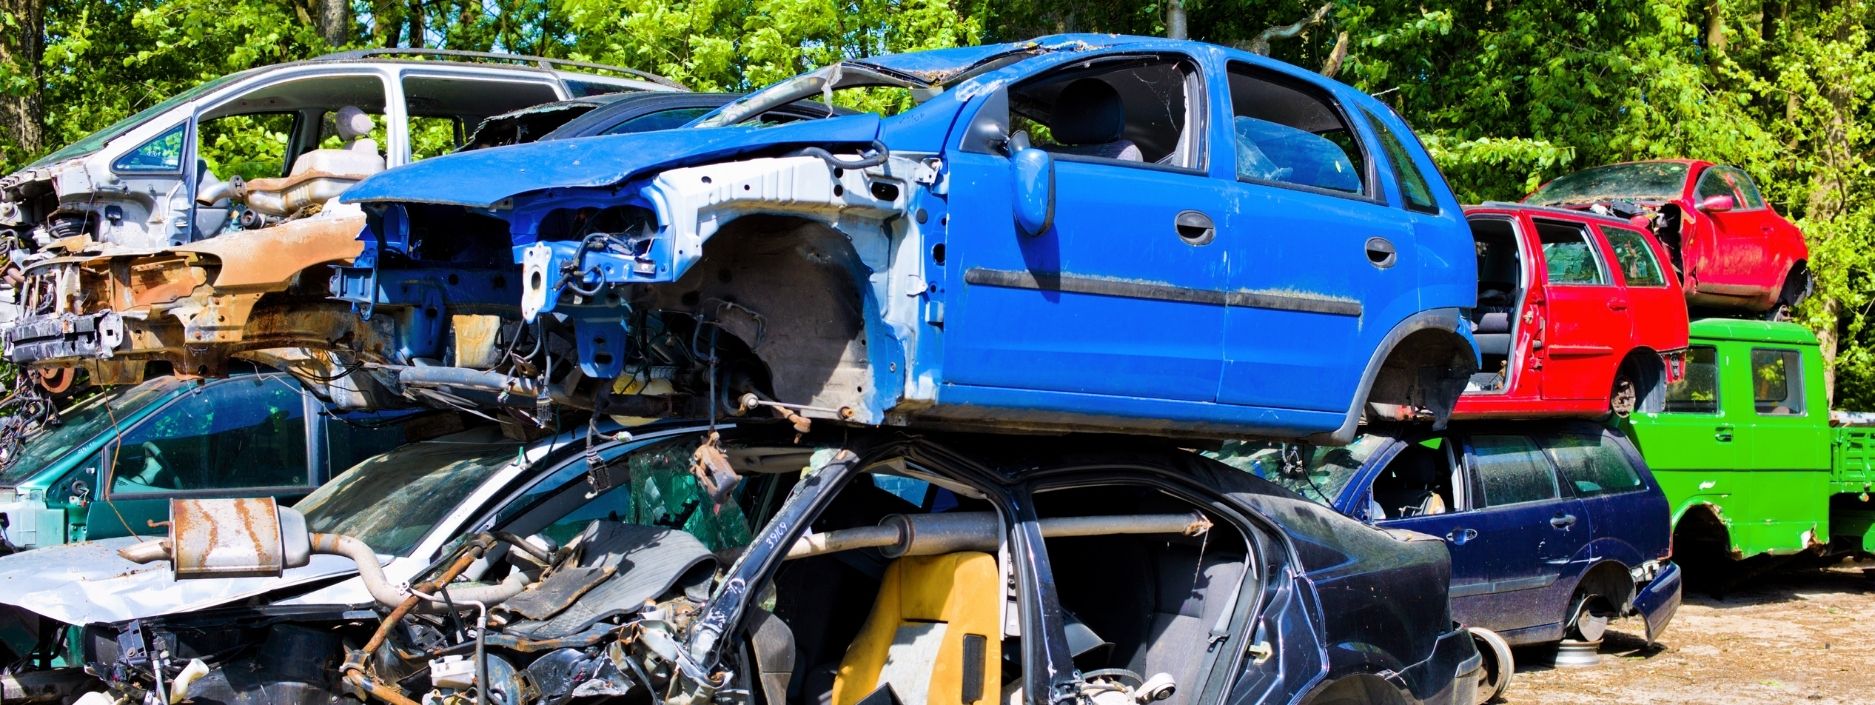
x,y
1790,635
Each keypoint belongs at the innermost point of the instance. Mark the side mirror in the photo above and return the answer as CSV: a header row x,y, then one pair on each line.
x,y
1716,204
1035,186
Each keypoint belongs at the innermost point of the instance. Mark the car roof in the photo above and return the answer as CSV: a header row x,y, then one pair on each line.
x,y
1752,331
1557,211
558,67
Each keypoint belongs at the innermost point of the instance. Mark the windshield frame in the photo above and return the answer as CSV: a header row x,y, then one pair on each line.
x,y
1603,177
1325,491
819,82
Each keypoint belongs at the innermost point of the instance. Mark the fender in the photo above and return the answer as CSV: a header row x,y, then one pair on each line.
x,y
1442,319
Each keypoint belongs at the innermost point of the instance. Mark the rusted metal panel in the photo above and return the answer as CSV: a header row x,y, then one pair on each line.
x,y
222,538
271,257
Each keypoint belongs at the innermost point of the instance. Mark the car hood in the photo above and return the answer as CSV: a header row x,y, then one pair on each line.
x,y
88,583
482,178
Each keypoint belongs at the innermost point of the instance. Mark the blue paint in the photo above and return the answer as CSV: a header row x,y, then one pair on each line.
x,y
1204,345
1516,569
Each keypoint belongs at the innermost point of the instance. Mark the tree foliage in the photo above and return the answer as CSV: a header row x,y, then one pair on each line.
x,y
1507,93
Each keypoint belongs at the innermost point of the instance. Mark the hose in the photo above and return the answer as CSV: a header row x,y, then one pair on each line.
x,y
876,154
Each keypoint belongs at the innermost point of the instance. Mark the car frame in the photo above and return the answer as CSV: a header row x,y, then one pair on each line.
x,y
1532,571
133,258
1733,250
923,269
1588,341
1305,627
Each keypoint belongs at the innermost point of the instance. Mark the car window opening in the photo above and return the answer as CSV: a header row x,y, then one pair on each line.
x,y
1146,602
1501,289
1136,111
1569,254
1286,134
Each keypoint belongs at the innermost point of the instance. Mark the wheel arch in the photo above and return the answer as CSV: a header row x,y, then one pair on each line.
x,y
1398,366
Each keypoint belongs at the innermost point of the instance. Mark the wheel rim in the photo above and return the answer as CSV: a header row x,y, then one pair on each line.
x,y
1624,397
1589,625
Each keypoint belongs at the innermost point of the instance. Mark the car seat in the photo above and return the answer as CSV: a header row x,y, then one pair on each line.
x,y
934,636
1089,119
321,174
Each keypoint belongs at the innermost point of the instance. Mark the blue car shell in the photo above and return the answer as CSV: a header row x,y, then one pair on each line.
x,y
1553,527
1080,232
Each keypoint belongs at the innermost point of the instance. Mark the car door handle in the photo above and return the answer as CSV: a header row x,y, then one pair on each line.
x,y
1195,228
1722,433
1617,305
1459,537
1563,521
1381,253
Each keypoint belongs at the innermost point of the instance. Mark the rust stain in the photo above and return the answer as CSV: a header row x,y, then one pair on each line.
x,y
271,257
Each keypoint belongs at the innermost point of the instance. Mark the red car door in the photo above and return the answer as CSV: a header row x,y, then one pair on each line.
x,y
1586,324
1735,236
1656,306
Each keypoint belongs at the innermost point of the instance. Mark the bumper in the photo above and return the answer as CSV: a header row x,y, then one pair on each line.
x,y
1658,600
1450,676
64,336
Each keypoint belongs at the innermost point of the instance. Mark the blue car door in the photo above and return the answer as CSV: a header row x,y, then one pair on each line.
x,y
1321,266
1535,538
1389,490
1122,295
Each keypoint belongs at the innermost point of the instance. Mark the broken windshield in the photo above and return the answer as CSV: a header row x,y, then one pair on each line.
x,y
1328,469
393,500
1638,181
79,425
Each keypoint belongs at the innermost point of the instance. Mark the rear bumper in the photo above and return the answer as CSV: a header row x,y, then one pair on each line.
x,y
1450,676
1657,600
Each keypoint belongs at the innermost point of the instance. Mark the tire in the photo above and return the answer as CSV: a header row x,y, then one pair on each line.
x,y
1796,287
1499,665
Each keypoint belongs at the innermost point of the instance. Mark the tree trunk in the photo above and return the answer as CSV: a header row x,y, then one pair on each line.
x,y
1830,344
1715,28
23,49
1175,19
335,22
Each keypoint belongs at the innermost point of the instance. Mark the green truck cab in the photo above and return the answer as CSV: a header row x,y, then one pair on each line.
x,y
1744,446
112,465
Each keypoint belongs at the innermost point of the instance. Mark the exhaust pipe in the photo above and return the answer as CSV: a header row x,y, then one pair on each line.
x,y
932,534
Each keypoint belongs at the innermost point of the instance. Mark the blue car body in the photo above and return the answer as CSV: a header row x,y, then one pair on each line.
x,y
932,267
1526,566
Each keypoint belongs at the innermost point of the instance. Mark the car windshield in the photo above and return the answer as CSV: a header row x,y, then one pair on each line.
x,y
1329,468
96,140
393,500
1639,181
81,424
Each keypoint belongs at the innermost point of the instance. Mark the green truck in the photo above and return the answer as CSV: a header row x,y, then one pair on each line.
x,y
1745,447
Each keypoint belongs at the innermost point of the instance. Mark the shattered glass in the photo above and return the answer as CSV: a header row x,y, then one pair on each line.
x,y
1639,181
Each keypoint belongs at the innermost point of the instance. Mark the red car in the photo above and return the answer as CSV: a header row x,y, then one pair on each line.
x,y
1578,314
1733,251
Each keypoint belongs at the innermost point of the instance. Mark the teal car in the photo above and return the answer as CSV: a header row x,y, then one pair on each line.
x,y
111,466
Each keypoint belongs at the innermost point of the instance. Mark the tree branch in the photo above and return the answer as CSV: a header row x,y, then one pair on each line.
x,y
1339,54
1260,44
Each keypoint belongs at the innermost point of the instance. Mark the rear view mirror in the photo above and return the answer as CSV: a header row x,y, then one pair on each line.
x,y
1716,204
1035,185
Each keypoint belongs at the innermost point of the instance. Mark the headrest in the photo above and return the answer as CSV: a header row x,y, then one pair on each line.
x,y
1089,111
352,123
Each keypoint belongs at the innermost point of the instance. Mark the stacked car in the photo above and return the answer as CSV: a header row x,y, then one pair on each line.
x,y
716,371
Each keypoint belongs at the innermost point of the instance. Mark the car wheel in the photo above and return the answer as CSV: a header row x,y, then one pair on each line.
x,y
1796,288
1625,395
1498,664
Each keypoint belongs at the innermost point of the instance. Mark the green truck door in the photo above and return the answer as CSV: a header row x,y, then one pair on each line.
x,y
1692,443
1788,442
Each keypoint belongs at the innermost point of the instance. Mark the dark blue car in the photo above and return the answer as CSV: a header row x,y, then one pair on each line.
x,y
1554,527
1078,232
